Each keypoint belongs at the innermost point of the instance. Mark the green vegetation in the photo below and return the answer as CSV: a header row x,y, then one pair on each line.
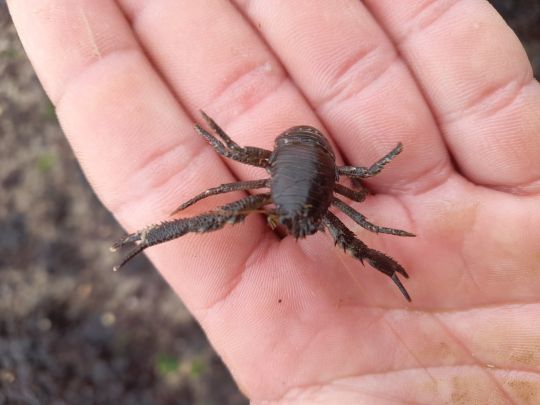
x,y
45,162
167,365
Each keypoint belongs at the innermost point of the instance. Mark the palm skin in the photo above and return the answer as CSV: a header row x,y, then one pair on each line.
x,y
300,321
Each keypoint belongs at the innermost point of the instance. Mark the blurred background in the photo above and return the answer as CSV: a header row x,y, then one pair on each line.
x,y
71,330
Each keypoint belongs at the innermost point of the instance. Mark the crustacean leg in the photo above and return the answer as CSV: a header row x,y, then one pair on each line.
x,y
364,223
211,221
355,195
224,188
359,250
249,155
362,172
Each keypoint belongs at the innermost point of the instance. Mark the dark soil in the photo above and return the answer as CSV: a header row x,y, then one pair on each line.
x,y
71,331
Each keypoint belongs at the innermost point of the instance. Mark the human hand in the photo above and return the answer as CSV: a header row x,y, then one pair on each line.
x,y
302,321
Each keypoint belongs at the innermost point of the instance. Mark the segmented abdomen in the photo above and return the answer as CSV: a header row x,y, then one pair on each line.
x,y
303,176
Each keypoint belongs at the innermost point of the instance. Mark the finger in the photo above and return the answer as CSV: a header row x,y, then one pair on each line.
x,y
213,60
134,142
352,75
478,81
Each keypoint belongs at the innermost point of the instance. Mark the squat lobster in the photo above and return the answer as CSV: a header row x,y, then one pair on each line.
x,y
302,183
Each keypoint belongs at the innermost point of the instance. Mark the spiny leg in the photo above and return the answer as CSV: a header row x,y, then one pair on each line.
x,y
356,183
362,172
224,188
249,155
211,221
363,222
220,132
358,249
355,195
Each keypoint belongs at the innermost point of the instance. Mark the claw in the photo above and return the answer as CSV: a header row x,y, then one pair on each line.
x,y
396,280
177,210
135,238
207,119
387,265
405,233
131,238
129,256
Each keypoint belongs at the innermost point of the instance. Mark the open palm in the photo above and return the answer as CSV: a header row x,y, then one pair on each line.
x,y
301,321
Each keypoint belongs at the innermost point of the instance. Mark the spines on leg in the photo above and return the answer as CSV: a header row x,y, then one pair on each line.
x,y
374,169
211,221
364,223
345,239
224,188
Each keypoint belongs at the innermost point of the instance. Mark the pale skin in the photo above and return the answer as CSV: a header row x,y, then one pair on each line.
x,y
300,321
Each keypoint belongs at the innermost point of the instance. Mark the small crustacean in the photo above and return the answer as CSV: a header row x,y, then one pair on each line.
x,y
303,180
